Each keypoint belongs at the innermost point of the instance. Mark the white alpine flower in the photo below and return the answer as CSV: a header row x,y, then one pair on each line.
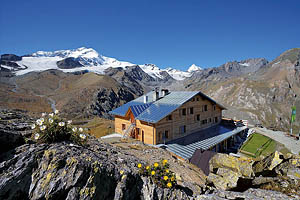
x,y
56,112
42,120
70,122
43,127
83,136
51,114
43,114
74,129
80,129
61,123
39,122
36,136
50,120
33,126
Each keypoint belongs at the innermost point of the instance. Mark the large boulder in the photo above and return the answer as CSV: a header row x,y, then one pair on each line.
x,y
225,179
268,163
68,171
241,166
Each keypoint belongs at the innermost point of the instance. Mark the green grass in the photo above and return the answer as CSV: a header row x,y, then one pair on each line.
x,y
258,145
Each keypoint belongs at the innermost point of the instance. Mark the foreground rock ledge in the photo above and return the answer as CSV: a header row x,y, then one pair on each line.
x,y
68,171
96,171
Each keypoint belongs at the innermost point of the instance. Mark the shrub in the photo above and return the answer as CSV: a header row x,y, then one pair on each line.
x,y
51,128
159,173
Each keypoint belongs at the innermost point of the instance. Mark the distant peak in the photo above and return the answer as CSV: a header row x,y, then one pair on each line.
x,y
194,68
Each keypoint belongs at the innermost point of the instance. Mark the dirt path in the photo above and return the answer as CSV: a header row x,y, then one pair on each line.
x,y
279,136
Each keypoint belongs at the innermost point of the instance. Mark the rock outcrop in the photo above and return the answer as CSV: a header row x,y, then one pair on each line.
x,y
274,172
68,171
14,126
68,63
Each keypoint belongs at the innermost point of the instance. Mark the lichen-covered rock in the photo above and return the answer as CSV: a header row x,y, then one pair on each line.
x,y
250,194
269,162
68,171
242,165
293,173
225,179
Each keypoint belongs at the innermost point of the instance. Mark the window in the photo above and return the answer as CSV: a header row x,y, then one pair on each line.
x,y
216,119
184,111
123,127
209,120
197,98
204,108
198,117
182,129
166,134
204,121
193,99
169,117
214,107
191,110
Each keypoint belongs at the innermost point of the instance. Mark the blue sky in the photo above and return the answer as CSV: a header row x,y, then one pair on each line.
x,y
167,33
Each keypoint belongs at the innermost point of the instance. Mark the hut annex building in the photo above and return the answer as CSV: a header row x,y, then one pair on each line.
x,y
176,120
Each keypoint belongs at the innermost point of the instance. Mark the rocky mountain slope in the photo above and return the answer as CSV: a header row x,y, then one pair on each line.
x,y
256,90
76,95
100,170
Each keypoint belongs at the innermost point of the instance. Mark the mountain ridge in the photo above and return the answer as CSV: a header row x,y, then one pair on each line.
x,y
81,59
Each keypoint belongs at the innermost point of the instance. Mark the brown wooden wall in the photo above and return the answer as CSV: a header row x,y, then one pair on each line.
x,y
153,133
119,120
190,120
148,128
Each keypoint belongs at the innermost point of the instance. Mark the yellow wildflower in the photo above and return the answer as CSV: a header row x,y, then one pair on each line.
x,y
165,162
155,164
169,185
122,172
167,171
165,178
147,167
172,178
153,173
139,165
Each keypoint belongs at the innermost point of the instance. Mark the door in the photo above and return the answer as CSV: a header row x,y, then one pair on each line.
x,y
143,136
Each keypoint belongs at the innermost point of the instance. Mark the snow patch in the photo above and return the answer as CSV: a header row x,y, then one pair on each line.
x,y
245,64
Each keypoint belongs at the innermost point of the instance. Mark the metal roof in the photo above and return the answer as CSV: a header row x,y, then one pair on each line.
x,y
165,105
122,110
186,150
138,109
154,111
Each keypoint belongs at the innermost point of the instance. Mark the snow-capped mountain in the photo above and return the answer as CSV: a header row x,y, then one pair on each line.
x,y
156,72
90,60
194,68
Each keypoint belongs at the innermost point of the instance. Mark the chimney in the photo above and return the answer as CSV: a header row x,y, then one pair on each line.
x,y
155,95
164,92
145,99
